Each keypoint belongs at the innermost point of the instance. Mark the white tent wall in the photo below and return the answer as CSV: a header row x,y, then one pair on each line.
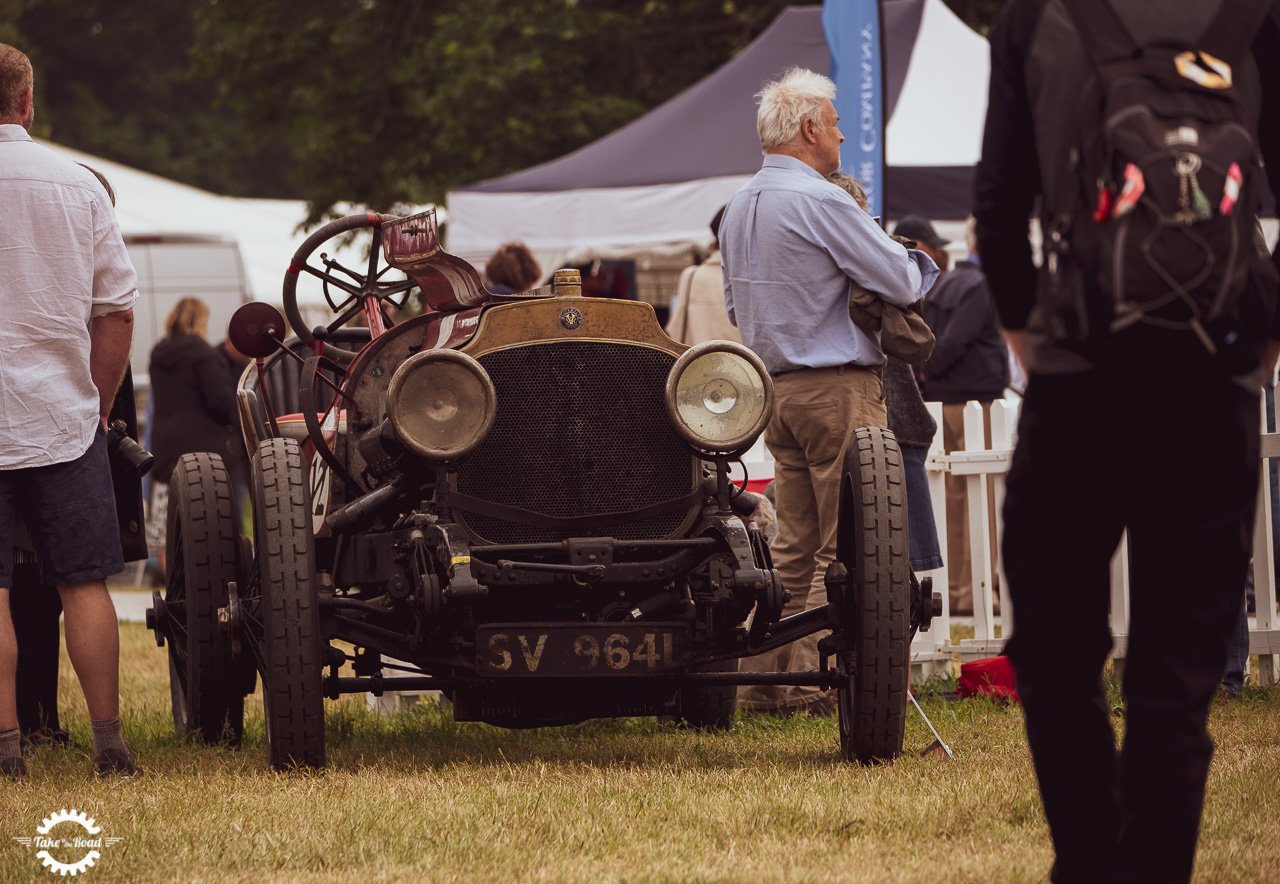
x,y
587,217
942,108
935,129
658,262
267,231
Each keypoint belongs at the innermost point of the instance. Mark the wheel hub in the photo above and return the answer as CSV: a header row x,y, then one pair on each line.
x,y
231,617
156,617
925,603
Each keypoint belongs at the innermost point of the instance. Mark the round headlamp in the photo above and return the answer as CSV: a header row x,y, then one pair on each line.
x,y
719,397
441,404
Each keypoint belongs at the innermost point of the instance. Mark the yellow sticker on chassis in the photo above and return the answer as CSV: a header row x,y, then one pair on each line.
x,y
582,649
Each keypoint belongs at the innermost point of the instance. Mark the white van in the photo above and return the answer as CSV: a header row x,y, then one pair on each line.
x,y
173,266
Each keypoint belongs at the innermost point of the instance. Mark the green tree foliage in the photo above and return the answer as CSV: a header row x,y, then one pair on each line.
x,y
393,102
113,79
381,102
9,32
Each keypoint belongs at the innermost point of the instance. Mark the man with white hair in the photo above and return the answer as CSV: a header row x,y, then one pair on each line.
x,y
792,244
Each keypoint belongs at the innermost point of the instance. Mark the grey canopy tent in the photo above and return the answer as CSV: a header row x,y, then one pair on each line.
x,y
659,179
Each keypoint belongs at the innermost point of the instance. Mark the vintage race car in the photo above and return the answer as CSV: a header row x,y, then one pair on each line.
x,y
523,501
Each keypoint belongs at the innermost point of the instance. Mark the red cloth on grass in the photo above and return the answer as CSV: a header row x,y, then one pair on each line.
x,y
992,676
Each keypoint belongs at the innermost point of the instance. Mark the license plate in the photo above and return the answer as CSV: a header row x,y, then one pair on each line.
x,y
557,649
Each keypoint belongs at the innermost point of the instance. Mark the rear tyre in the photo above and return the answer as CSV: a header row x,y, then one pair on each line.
x,y
291,678
200,536
711,707
872,544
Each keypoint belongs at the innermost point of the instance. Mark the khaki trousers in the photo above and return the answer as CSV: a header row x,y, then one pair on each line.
x,y
815,412
959,561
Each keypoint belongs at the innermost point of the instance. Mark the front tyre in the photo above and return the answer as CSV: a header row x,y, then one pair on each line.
x,y
201,540
291,680
873,662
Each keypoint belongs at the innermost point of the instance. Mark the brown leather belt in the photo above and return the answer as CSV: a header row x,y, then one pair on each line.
x,y
777,374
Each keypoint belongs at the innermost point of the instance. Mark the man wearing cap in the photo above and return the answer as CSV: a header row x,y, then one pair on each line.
x,y
969,362
926,238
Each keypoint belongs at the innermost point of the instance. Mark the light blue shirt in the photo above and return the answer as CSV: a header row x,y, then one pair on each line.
x,y
792,242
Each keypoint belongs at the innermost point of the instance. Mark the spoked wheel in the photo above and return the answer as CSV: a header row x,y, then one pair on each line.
x,y
344,288
201,540
873,650
288,610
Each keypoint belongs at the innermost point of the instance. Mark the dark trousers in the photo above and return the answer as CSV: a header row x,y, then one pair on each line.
x,y
36,610
1173,457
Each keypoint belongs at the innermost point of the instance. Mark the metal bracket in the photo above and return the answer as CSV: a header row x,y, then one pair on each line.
x,y
592,551
462,588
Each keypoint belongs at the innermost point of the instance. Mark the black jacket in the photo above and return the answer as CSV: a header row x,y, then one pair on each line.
x,y
909,420
970,360
125,479
194,403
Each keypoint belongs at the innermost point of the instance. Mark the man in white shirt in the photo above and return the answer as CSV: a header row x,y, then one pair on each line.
x,y
67,290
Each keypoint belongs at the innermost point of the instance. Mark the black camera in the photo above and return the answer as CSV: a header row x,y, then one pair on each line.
x,y
121,446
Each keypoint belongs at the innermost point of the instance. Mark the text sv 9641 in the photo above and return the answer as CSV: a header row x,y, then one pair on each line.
x,y
544,649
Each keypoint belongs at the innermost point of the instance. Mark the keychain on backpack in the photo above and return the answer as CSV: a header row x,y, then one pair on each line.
x,y
1103,211
1134,186
1194,204
1231,189
1203,211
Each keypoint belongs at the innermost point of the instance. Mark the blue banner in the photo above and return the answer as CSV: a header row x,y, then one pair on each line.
x,y
852,29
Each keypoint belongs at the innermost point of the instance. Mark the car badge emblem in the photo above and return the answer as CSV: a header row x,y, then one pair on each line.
x,y
571,318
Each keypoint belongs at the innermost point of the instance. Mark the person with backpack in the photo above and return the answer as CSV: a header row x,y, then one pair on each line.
x,y
1137,130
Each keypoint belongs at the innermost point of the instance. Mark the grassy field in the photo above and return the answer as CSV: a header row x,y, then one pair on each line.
x,y
417,797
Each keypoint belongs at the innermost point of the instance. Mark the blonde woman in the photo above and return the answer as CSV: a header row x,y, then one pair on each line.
x,y
193,405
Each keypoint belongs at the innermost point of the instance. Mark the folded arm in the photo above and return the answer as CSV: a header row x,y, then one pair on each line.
x,y
869,257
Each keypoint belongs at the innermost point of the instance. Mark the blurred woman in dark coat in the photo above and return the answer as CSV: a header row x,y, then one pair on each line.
x,y
193,406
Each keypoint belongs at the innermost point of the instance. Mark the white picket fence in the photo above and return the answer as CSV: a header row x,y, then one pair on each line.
x,y
933,651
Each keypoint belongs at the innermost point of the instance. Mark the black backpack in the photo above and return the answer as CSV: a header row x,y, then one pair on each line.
x,y
1161,236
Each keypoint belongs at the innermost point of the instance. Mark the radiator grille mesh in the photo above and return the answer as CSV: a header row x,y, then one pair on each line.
x,y
580,430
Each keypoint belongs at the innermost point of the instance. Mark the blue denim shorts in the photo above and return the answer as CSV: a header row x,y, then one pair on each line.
x,y
922,533
70,512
